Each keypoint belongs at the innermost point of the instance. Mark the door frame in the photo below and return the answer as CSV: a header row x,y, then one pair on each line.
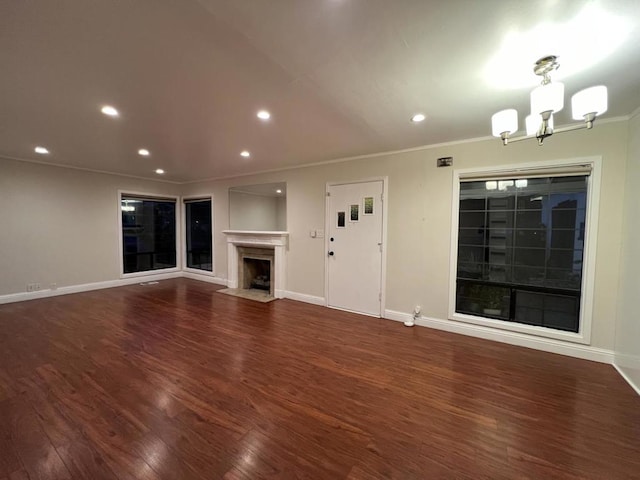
x,y
328,219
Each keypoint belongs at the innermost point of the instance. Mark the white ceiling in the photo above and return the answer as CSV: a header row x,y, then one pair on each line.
x,y
340,77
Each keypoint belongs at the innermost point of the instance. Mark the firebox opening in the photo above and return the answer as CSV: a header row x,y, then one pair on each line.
x,y
257,274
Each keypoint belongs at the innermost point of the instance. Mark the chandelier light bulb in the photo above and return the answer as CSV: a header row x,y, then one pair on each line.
x,y
548,98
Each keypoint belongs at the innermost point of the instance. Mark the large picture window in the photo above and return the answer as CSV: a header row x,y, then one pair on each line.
x,y
148,234
521,249
198,226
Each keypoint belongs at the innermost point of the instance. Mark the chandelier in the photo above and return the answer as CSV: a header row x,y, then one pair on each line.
x,y
546,100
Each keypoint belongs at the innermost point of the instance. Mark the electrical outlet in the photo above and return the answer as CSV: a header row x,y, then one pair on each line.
x,y
36,286
29,287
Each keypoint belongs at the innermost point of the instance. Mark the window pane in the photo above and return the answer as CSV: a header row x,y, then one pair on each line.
x,y
537,219
524,237
472,204
487,300
547,310
471,236
497,273
148,234
529,275
531,238
198,223
500,219
472,219
470,270
501,202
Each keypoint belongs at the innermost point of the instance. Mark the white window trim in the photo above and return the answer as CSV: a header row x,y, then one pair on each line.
x,y
183,234
151,196
591,233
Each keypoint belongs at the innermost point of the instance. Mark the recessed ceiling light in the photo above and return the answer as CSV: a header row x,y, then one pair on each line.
x,y
278,191
264,115
418,117
144,152
159,171
109,110
41,150
245,154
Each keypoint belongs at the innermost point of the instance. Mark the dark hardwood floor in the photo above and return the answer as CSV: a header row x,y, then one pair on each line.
x,y
175,381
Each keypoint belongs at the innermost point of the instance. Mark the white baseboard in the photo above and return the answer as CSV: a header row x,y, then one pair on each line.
x,y
513,338
85,287
121,282
303,297
625,364
23,296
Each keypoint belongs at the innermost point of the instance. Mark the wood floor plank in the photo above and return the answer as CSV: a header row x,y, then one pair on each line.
x,y
9,460
176,381
84,462
19,475
38,456
59,429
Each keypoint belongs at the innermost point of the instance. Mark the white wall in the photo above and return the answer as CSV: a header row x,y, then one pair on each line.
x,y
627,344
419,220
250,211
59,225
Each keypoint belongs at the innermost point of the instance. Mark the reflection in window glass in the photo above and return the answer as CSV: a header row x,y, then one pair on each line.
x,y
520,250
199,228
148,234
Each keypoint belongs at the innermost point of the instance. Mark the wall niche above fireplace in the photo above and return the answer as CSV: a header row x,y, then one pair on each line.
x,y
260,207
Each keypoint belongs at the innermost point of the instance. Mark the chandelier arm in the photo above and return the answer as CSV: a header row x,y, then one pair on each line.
x,y
570,128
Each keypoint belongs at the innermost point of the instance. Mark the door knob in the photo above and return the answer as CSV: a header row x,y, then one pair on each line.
x,y
331,254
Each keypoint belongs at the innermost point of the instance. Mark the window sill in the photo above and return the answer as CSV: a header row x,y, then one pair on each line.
x,y
148,273
521,328
198,271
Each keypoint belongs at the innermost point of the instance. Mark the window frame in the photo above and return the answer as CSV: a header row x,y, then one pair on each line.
x,y
178,220
539,168
183,234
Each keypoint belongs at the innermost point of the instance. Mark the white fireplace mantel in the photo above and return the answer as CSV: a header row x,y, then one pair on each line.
x,y
253,238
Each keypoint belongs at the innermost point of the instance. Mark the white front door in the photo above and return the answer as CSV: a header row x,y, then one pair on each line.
x,y
354,247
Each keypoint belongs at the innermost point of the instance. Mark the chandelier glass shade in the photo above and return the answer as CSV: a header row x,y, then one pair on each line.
x,y
547,98
590,100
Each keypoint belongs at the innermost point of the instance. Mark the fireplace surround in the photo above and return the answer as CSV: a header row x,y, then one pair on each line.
x,y
262,245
